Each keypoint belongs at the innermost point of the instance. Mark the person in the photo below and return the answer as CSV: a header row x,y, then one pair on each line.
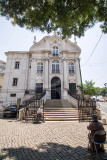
x,y
93,127
40,113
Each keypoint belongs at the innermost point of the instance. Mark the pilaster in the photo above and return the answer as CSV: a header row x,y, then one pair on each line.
x,y
77,70
46,74
65,74
33,74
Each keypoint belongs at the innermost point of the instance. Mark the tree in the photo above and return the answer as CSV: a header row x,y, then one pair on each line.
x,y
67,17
88,88
98,91
104,91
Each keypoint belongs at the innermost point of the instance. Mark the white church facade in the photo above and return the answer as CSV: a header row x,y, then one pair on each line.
x,y
52,64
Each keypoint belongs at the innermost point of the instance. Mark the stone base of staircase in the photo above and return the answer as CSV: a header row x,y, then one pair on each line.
x,y
60,110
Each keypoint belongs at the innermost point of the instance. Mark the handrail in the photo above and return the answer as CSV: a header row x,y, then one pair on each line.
x,y
76,96
34,103
35,97
84,105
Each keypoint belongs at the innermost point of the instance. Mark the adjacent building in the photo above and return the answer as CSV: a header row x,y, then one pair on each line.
x,y
2,70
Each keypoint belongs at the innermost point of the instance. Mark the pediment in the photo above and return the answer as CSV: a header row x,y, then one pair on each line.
x,y
38,46
49,41
72,47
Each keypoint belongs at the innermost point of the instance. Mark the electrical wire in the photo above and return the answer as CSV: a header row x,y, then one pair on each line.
x,y
93,50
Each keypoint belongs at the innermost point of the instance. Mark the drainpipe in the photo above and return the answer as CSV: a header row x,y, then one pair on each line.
x,y
81,76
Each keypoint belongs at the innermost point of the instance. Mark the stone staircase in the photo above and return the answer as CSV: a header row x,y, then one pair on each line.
x,y
56,110
60,110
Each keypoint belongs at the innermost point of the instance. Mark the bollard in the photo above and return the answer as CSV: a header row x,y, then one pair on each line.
x,y
21,114
104,121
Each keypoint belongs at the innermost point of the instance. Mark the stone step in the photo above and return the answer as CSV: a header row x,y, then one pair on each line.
x,y
55,116
60,113
63,115
61,119
57,103
59,110
52,111
46,108
69,119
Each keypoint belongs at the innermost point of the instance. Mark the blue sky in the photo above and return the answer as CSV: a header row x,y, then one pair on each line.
x,y
93,64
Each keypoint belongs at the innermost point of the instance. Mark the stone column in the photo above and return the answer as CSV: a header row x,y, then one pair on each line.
x,y
77,72
46,74
65,74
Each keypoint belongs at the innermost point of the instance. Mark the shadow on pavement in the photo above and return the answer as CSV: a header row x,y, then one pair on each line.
x,y
49,151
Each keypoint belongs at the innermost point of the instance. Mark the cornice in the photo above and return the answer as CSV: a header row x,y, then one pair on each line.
x,y
74,50
39,51
16,52
38,59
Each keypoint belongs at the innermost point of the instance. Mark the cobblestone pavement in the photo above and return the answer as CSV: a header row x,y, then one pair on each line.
x,y
45,141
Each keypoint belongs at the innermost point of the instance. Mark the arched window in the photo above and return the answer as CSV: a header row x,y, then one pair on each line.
x,y
71,68
55,51
55,67
40,67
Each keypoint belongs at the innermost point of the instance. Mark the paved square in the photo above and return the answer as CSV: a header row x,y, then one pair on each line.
x,y
45,141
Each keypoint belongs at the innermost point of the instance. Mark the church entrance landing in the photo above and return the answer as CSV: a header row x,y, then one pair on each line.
x,y
55,88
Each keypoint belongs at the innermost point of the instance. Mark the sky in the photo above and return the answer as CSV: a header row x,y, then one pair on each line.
x,y
93,46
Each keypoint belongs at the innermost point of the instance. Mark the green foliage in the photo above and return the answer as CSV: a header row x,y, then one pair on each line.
x,y
88,88
68,17
104,91
98,91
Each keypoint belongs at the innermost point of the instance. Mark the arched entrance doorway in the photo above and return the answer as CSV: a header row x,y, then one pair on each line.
x,y
55,88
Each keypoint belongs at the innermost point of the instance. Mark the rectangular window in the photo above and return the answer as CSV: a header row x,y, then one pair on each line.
x,y
55,68
40,68
17,65
12,95
39,87
55,51
71,69
72,88
15,81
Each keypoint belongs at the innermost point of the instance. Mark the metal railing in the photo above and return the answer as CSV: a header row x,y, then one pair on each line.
x,y
32,104
55,71
86,106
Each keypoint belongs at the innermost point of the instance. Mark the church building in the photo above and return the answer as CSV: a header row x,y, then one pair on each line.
x,y
52,64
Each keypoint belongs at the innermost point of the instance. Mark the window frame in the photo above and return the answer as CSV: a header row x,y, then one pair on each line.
x,y
55,51
17,64
15,82
71,68
40,68
39,87
55,67
13,95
